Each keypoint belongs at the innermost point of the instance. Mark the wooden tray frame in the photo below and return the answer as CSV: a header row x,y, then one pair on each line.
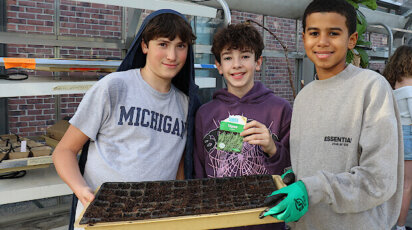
x,y
192,222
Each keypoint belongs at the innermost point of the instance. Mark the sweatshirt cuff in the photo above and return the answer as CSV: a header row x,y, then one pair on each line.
x,y
314,188
275,156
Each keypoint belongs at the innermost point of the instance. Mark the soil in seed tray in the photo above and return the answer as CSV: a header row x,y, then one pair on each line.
x,y
128,201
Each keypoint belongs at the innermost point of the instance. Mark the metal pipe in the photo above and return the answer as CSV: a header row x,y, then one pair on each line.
x,y
293,9
407,13
390,36
226,10
57,54
123,35
279,8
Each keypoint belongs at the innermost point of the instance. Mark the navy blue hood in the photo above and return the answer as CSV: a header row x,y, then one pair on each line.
x,y
135,58
184,81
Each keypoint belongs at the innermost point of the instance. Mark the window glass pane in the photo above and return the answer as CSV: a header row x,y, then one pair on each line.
x,y
205,29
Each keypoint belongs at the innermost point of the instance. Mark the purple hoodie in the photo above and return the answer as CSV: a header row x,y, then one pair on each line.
x,y
258,104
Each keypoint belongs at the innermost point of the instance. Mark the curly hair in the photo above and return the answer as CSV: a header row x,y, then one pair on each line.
x,y
237,36
399,65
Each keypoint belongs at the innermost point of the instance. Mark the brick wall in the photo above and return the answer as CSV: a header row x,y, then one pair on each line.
x,y
96,20
76,19
276,72
29,116
30,17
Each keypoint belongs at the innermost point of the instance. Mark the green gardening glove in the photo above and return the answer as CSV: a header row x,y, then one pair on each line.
x,y
293,206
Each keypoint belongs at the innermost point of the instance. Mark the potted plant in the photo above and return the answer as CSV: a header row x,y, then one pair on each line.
x,y
358,55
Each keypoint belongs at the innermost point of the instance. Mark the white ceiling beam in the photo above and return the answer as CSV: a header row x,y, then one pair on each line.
x,y
280,8
294,9
182,7
379,17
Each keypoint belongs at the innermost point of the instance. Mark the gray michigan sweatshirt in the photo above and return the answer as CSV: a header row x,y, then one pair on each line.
x,y
346,146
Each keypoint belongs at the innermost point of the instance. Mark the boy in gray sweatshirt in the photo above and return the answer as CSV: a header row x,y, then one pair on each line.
x,y
346,141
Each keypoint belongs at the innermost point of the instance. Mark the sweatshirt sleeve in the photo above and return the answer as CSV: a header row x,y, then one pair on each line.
x,y
375,179
199,152
281,160
94,109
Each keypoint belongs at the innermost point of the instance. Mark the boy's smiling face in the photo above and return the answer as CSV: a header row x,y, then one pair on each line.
x,y
238,68
164,59
326,40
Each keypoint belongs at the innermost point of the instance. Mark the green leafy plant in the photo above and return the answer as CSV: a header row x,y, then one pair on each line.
x,y
361,26
229,141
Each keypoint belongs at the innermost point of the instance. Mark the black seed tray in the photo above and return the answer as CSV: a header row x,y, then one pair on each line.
x,y
129,201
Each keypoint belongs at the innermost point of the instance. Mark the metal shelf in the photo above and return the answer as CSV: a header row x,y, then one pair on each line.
x,y
48,85
43,85
36,184
66,63
74,64
25,164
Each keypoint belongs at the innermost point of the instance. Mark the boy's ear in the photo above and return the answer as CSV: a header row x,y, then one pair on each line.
x,y
144,47
219,67
303,36
353,38
259,63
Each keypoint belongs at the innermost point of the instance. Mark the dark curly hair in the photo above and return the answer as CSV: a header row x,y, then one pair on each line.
x,y
399,65
341,7
237,36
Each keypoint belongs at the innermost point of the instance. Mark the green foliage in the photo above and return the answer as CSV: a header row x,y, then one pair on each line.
x,y
361,29
364,58
229,141
361,23
349,56
371,4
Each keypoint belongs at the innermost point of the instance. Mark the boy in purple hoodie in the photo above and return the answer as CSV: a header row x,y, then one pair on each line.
x,y
237,50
